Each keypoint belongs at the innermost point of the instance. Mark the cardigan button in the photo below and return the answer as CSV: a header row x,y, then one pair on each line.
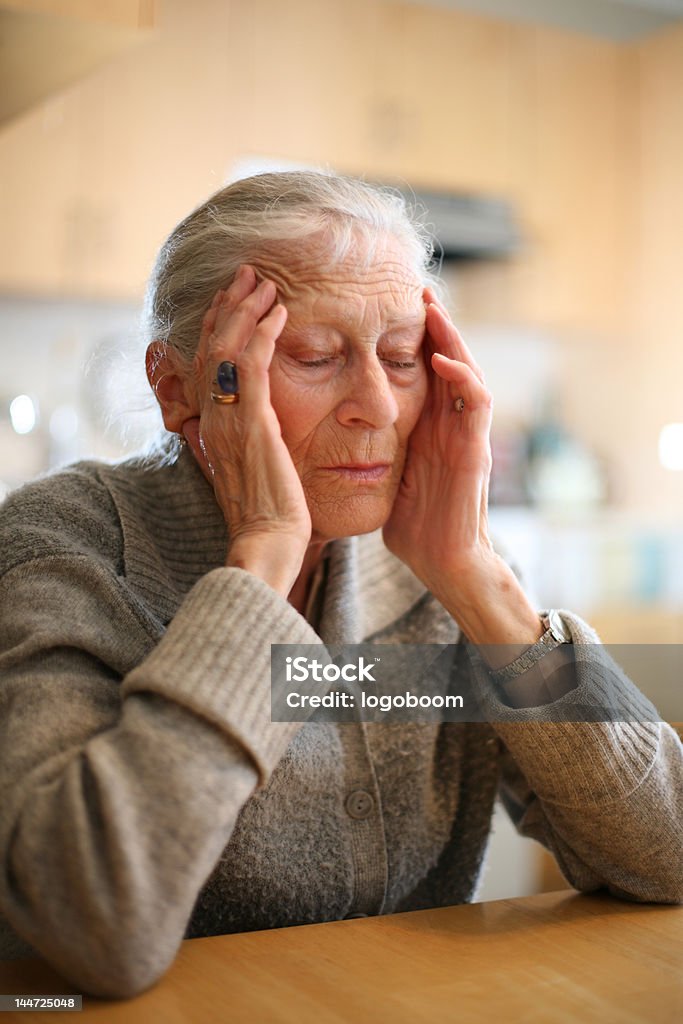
x,y
359,804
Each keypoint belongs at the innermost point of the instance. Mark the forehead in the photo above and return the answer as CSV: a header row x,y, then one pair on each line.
x,y
378,283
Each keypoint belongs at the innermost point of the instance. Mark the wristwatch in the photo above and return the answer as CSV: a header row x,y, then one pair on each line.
x,y
556,633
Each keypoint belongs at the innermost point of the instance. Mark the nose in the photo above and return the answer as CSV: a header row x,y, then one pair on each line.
x,y
369,399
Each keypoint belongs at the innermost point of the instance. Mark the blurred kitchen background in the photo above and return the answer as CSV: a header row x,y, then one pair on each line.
x,y
544,140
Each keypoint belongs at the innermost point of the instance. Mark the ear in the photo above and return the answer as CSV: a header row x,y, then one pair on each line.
x,y
172,385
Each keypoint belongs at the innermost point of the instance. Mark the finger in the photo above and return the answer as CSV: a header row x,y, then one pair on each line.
x,y
208,323
253,365
243,284
228,342
223,301
238,298
429,296
448,340
460,377
463,383
254,362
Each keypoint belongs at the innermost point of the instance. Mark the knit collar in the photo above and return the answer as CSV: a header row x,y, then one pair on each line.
x,y
174,533
173,530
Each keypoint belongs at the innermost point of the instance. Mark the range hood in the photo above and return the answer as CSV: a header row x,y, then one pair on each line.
x,y
468,226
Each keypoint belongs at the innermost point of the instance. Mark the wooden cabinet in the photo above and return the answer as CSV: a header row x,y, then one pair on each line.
x,y
95,178
47,44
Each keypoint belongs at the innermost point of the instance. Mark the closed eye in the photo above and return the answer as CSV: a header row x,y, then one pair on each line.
x,y
324,361
400,364
393,363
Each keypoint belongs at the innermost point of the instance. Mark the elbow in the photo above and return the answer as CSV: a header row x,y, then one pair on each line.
x,y
112,948
663,889
671,896
115,966
664,885
661,877
120,977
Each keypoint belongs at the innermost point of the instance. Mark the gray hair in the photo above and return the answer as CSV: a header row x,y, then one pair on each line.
x,y
250,217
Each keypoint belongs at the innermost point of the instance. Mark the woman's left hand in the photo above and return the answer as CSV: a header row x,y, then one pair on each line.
x,y
439,522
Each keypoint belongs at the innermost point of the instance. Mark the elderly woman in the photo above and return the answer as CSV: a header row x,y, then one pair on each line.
x,y
331,487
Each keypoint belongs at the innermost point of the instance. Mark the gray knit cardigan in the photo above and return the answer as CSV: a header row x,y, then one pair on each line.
x,y
145,795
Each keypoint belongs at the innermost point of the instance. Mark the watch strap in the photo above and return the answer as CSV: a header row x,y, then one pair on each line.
x,y
556,633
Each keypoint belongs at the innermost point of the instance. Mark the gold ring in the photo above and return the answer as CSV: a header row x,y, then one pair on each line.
x,y
221,399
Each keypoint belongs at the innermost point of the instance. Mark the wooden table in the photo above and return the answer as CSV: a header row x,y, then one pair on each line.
x,y
546,959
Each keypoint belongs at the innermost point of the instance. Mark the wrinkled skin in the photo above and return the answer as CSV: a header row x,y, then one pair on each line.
x,y
345,365
348,383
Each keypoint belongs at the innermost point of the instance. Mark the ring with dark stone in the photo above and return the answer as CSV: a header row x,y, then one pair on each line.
x,y
226,378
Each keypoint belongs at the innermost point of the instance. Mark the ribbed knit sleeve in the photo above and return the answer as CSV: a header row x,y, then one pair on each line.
x,y
127,749
215,660
605,796
125,762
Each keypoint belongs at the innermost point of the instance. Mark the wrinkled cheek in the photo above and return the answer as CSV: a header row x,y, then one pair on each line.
x,y
288,409
300,412
413,408
297,452
297,433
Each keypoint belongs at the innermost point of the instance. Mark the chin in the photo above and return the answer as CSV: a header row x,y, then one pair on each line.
x,y
349,517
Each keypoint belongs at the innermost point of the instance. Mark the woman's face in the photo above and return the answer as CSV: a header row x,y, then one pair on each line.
x,y
348,382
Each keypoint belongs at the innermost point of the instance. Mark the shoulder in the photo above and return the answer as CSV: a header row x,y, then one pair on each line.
x,y
68,512
151,521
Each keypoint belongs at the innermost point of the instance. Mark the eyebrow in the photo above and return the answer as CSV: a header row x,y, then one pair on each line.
x,y
393,325
312,331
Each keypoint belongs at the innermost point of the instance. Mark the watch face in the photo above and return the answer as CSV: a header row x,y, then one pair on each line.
x,y
558,627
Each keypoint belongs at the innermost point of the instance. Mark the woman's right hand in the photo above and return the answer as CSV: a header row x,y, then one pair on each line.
x,y
240,446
